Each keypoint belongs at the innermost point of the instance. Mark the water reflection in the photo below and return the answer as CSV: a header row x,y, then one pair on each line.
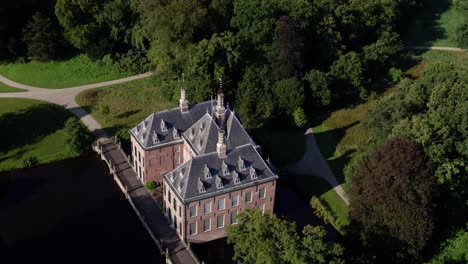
x,y
69,211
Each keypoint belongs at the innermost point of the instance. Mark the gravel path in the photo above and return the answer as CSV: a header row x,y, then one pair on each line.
x,y
313,164
66,97
434,48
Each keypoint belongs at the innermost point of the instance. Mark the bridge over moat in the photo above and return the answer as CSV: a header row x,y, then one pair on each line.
x,y
143,203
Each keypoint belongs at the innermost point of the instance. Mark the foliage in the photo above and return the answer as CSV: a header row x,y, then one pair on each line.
x,y
42,38
78,139
320,210
461,35
395,74
454,250
319,85
103,109
393,215
289,94
262,238
300,118
30,162
348,75
151,185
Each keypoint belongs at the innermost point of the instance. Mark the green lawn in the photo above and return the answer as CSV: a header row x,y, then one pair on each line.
x,y
309,186
282,145
434,25
127,104
31,128
7,89
60,74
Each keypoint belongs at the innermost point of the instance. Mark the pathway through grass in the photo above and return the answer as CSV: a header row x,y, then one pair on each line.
x,y
76,71
31,128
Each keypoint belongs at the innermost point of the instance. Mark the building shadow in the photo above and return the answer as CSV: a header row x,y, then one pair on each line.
x,y
327,141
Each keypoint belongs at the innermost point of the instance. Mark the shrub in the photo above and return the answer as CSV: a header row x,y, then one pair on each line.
x,y
77,137
300,118
321,210
395,74
30,162
103,109
151,185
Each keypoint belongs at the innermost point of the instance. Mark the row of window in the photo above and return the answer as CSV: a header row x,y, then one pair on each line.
x,y
222,202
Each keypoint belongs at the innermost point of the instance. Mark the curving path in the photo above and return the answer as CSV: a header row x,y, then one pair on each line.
x,y
66,97
434,48
315,165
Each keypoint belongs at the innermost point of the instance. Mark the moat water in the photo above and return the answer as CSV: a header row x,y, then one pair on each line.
x,y
69,212
73,212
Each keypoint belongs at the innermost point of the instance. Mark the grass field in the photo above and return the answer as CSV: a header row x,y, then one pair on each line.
x,y
60,74
434,25
309,186
7,89
31,128
120,107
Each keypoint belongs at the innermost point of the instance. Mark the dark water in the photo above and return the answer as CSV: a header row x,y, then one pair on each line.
x,y
69,212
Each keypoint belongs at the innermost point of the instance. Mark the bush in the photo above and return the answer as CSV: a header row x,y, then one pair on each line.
x,y
77,137
103,109
461,35
321,210
395,74
151,185
30,162
300,118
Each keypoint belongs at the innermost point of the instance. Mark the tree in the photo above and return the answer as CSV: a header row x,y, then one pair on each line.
x,y
300,118
289,95
348,75
42,38
319,85
391,202
77,137
454,250
262,238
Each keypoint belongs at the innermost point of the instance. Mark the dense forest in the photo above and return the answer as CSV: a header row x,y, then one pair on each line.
x,y
286,60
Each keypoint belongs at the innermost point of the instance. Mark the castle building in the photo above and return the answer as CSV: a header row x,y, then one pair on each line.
x,y
208,165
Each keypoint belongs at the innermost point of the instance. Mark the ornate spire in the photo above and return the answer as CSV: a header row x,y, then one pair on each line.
x,y
220,110
183,103
221,146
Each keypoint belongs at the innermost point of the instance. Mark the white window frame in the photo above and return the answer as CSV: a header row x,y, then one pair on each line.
x,y
235,218
262,208
204,208
264,193
217,221
209,225
190,229
232,201
190,211
250,200
224,204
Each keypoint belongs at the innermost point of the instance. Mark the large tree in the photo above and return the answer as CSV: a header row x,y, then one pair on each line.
x,y
392,201
77,137
42,38
262,238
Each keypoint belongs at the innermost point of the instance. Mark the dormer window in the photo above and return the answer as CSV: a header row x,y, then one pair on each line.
x,y
181,172
235,178
200,144
192,132
225,168
241,164
172,176
175,133
201,186
218,182
155,138
206,172
179,186
202,126
145,123
163,126
253,173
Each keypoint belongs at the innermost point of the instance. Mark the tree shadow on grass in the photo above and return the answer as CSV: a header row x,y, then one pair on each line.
x,y
128,113
337,165
30,125
327,141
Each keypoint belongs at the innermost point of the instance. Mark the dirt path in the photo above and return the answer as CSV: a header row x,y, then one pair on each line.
x,y
66,97
313,164
434,48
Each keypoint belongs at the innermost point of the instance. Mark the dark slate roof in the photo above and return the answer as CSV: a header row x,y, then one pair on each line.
x,y
203,135
150,133
235,132
190,182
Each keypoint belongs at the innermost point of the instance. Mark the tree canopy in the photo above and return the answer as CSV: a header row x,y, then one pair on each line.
x,y
392,214
262,238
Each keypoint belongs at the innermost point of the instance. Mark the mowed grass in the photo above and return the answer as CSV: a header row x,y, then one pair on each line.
x,y
282,145
79,70
309,186
434,25
7,89
127,105
31,128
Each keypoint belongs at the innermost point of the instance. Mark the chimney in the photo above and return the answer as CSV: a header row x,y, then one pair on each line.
x,y
183,103
220,146
220,110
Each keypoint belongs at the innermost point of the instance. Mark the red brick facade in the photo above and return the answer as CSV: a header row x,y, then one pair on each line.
x,y
150,164
180,214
